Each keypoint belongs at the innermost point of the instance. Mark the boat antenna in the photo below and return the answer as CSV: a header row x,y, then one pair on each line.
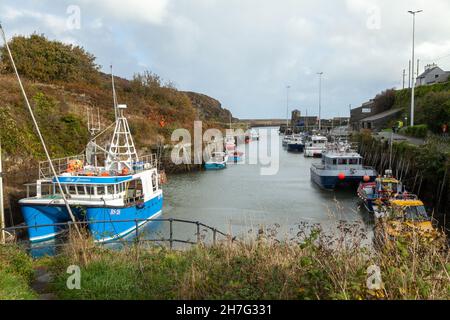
x,y
72,217
2,212
114,93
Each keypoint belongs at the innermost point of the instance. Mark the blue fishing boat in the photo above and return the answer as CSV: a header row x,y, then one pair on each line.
x,y
341,167
113,200
296,144
378,192
218,161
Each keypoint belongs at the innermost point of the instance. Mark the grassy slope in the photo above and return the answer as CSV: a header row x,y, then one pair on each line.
x,y
263,269
16,272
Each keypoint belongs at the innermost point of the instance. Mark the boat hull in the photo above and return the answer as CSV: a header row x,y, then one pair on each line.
x,y
118,225
215,166
40,220
331,181
296,147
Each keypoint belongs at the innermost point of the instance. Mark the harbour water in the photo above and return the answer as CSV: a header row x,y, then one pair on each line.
x,y
239,200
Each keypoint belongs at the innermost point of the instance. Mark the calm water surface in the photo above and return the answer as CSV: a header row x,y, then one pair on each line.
x,y
239,199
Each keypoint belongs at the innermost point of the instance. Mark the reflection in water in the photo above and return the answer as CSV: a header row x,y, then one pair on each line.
x,y
239,198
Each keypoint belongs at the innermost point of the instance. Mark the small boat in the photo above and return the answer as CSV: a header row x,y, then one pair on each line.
x,y
217,161
316,146
296,144
235,156
341,168
405,217
286,139
377,193
230,143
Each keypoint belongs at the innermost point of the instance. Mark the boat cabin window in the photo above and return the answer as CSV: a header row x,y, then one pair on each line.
x,y
154,182
342,161
416,213
101,190
81,190
90,190
71,189
110,189
134,191
353,161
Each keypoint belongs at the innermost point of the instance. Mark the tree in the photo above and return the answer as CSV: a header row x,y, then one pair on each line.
x,y
385,100
434,110
40,59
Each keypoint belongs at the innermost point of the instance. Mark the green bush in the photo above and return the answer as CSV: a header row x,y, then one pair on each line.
x,y
419,131
40,59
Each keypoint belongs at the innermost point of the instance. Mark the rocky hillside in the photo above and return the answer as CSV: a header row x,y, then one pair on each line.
x,y
63,82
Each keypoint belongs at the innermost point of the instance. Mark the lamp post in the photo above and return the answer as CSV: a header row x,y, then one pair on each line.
x,y
287,106
412,68
320,99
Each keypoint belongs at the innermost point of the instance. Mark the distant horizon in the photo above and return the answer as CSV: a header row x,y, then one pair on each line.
x,y
245,53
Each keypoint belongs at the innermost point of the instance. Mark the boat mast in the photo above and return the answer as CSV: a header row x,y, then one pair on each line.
x,y
122,151
2,211
72,217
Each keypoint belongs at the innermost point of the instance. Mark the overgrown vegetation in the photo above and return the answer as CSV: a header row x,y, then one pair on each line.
x,y
314,266
16,273
419,131
432,105
62,81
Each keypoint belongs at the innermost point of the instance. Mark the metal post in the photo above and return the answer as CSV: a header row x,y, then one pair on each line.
x,y
2,212
214,236
412,66
198,232
171,234
287,106
320,100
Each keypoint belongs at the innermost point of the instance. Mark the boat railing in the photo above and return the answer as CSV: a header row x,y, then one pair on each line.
x,y
61,165
201,232
146,162
45,188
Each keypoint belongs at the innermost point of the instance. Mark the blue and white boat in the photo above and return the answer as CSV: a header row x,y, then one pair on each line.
x,y
341,167
316,146
218,161
296,144
114,200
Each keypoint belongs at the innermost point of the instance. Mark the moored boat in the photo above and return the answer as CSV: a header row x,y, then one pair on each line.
x,y
316,146
114,199
341,168
296,144
217,161
375,193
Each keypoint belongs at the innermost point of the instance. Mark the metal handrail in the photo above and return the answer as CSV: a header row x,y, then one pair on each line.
x,y
171,239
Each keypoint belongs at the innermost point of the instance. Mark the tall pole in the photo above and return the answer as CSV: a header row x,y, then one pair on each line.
x,y
412,66
38,131
320,100
287,106
2,212
409,74
404,74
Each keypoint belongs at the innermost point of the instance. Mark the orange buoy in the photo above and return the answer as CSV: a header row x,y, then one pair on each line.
x,y
104,174
125,171
341,176
366,178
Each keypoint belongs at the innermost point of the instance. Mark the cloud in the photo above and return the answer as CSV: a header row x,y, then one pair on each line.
x,y
245,52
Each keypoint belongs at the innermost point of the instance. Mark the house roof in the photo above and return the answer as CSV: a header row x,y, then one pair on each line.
x,y
382,115
427,71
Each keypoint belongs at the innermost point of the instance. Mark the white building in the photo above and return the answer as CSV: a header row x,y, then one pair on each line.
x,y
432,74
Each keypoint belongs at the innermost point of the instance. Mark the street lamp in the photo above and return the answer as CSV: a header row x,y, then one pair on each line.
x,y
320,99
413,78
287,106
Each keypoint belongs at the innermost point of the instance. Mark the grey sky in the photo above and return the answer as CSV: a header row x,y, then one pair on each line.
x,y
245,52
